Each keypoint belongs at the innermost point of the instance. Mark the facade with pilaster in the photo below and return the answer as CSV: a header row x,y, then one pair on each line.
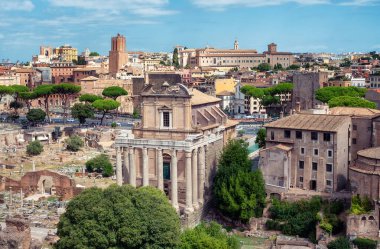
x,y
175,147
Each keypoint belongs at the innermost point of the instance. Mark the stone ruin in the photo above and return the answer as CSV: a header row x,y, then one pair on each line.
x,y
17,234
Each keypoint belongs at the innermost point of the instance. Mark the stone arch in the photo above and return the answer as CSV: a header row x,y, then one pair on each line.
x,y
45,185
371,218
364,218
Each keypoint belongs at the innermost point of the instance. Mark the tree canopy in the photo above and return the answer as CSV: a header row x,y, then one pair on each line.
x,y
351,101
263,67
114,92
119,217
252,91
45,92
34,148
66,91
36,116
5,90
94,54
100,164
339,243
239,191
208,236
82,112
325,94
74,143
261,137
175,57
105,105
90,98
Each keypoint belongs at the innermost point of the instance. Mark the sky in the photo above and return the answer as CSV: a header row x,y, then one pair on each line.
x,y
158,25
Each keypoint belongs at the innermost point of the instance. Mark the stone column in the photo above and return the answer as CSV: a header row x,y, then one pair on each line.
x,y
174,176
126,165
132,167
119,175
201,171
145,167
160,170
189,200
195,178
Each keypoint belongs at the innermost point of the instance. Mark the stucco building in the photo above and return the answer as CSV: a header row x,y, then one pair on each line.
x,y
176,146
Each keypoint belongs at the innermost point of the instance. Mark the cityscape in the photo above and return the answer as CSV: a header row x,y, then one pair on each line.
x,y
131,127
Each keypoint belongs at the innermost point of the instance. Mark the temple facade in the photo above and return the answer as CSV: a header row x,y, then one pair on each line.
x,y
175,147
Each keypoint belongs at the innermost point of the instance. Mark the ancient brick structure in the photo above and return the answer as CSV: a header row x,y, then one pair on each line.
x,y
17,235
42,182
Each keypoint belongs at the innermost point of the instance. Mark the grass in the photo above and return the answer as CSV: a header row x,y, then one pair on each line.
x,y
251,242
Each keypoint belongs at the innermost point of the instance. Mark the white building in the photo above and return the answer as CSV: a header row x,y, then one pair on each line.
x,y
358,82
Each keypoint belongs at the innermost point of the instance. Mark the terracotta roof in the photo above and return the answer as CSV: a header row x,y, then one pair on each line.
x,y
279,146
24,70
355,111
200,98
225,93
315,122
373,153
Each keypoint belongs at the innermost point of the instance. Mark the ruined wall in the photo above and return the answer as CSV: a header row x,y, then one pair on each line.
x,y
363,225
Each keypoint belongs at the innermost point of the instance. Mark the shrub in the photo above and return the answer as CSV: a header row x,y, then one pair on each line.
x,y
339,243
113,125
34,148
360,205
326,226
74,143
100,164
364,243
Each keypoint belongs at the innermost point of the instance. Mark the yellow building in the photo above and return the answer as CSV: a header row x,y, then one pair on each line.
x,y
222,85
66,53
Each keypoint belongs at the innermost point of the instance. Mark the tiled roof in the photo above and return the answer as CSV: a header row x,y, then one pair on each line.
x,y
200,98
373,153
355,111
315,122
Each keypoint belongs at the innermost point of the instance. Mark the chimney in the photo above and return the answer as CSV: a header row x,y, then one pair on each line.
x,y
298,107
281,114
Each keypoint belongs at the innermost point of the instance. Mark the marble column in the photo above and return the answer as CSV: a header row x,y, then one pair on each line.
x,y
119,175
126,165
195,178
189,200
160,170
145,167
132,167
201,171
174,183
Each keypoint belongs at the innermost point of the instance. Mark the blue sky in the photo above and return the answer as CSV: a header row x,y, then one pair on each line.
x,y
158,25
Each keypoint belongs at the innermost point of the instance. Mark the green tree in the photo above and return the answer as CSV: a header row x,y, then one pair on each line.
x,y
89,98
293,67
5,90
346,63
114,91
82,111
263,67
94,54
175,58
339,243
239,192
351,101
44,92
261,137
364,243
105,105
325,94
74,143
278,66
34,148
36,116
208,236
17,90
100,164
66,92
119,217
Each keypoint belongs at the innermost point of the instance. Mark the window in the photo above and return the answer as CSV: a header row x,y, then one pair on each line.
x,y
299,134
329,153
314,135
272,135
301,164
354,127
314,166
329,167
328,183
286,133
354,141
166,119
301,179
316,152
302,151
326,137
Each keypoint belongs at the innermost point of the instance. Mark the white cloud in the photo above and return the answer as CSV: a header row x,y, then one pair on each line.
x,y
24,5
360,2
221,4
139,7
